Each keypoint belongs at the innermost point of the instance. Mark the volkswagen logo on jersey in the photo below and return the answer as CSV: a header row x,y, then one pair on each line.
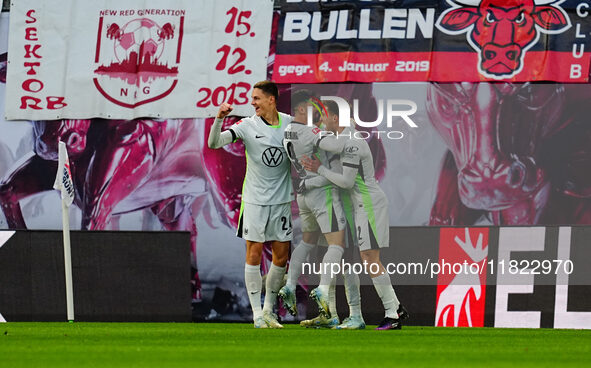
x,y
272,157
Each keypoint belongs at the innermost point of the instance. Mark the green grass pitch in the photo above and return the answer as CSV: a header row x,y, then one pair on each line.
x,y
240,345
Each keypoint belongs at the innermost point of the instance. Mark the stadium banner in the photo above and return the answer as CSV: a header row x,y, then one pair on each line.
x,y
122,60
530,277
533,277
486,276
433,40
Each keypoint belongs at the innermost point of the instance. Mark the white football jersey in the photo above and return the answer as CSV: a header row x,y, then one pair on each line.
x,y
267,180
301,140
356,153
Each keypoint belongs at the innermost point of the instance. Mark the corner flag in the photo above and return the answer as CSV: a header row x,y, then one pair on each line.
x,y
63,179
63,182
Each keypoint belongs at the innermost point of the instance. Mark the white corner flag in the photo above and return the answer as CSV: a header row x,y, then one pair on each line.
x,y
63,179
63,182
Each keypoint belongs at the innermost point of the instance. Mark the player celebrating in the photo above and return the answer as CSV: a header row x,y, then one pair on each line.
x,y
320,209
370,204
265,213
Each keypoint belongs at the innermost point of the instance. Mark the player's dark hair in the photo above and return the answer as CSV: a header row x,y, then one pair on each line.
x,y
331,106
299,97
269,88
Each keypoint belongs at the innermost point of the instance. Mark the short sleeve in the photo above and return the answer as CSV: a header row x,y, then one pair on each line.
x,y
238,129
313,136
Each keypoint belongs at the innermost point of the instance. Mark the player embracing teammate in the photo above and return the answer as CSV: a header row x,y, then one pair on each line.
x,y
370,205
321,213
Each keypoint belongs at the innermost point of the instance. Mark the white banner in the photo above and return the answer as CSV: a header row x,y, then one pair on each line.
x,y
134,58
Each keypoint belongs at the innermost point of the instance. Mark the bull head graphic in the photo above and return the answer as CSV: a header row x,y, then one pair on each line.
x,y
502,31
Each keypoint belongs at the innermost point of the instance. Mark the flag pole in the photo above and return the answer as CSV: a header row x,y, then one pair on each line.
x,y
63,182
68,261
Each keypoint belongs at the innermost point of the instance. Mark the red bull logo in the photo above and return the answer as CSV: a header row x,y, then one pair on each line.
x,y
502,31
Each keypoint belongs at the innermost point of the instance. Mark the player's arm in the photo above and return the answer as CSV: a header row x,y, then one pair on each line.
x,y
311,183
327,141
345,180
316,182
217,138
319,181
316,135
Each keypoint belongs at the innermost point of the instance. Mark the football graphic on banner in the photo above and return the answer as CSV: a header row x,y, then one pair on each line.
x,y
138,62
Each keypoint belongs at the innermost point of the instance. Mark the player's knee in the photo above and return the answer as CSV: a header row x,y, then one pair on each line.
x,y
310,237
254,252
280,259
336,238
253,257
370,256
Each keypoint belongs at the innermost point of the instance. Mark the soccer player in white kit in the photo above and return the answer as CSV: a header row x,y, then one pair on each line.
x,y
370,206
265,213
320,211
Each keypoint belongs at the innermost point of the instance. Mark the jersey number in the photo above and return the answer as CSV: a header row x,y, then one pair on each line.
x,y
284,223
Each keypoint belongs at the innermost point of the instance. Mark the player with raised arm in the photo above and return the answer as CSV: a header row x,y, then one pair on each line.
x,y
370,205
320,212
265,213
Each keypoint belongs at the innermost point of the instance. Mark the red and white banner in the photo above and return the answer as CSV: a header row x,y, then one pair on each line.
x,y
433,40
461,292
122,60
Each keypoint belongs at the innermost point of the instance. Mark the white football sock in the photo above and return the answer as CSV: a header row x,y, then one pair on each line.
x,y
386,293
332,298
353,294
298,256
272,286
254,281
332,255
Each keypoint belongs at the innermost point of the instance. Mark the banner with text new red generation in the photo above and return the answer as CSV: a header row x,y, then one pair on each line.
x,y
134,58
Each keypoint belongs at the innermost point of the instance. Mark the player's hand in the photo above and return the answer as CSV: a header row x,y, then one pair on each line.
x,y
310,164
225,110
